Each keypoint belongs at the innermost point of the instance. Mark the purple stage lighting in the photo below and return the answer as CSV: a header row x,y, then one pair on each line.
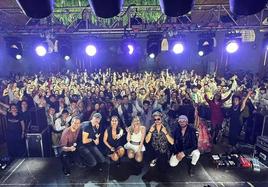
x,y
91,50
152,55
178,48
40,50
201,53
232,47
18,56
67,57
130,49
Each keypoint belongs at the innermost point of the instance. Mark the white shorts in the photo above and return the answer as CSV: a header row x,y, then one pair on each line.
x,y
133,147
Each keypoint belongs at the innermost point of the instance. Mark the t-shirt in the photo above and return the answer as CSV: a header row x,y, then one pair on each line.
x,y
92,131
14,124
68,138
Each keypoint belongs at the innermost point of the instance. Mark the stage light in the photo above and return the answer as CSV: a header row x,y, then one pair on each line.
x,y
14,47
91,50
178,48
18,56
246,7
154,45
232,46
176,8
130,49
201,53
41,50
206,44
266,47
67,58
65,48
36,8
106,9
152,55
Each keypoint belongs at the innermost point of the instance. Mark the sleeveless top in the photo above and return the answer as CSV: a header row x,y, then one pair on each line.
x,y
136,137
113,142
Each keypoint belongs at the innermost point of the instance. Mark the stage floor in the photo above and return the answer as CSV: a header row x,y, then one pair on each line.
x,y
47,172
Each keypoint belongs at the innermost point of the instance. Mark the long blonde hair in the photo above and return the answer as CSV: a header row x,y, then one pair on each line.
x,y
131,128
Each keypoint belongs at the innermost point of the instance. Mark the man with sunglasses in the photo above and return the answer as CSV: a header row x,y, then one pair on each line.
x,y
160,139
185,144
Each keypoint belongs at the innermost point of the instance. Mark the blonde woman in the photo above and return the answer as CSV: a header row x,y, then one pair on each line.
x,y
112,139
135,139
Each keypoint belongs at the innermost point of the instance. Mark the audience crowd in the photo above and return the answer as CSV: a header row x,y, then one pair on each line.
x,y
167,115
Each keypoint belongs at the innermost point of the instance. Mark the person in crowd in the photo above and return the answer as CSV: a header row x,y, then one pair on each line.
x,y
15,132
90,139
25,114
185,144
160,139
236,120
112,139
217,115
60,124
146,115
68,143
135,140
126,111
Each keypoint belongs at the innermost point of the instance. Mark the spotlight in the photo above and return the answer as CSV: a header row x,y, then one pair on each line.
x,y
14,47
130,49
18,56
41,50
91,50
154,45
205,45
178,48
152,55
67,58
232,46
266,47
65,48
201,53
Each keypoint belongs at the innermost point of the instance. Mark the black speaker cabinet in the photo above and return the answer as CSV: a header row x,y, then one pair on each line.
x,y
38,144
38,120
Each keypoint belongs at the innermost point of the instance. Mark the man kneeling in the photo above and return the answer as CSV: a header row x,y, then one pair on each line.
x,y
68,143
185,144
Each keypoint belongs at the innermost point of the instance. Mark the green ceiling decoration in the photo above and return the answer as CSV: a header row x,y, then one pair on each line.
x,y
73,14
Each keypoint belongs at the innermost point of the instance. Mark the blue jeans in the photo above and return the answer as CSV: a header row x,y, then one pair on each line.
x,y
91,155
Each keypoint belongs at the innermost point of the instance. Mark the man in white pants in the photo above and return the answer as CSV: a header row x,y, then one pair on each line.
x,y
185,144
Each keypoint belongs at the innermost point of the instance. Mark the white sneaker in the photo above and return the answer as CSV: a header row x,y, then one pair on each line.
x,y
153,163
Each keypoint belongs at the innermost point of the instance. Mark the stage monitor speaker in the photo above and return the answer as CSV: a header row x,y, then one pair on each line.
x,y
38,144
38,120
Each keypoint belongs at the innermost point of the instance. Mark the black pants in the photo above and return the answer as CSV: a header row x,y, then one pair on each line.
x,y
91,155
234,133
67,158
162,159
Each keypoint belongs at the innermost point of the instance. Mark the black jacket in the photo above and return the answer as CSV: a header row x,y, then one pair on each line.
x,y
186,143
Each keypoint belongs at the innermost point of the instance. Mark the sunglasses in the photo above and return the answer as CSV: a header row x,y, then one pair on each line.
x,y
157,119
181,121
